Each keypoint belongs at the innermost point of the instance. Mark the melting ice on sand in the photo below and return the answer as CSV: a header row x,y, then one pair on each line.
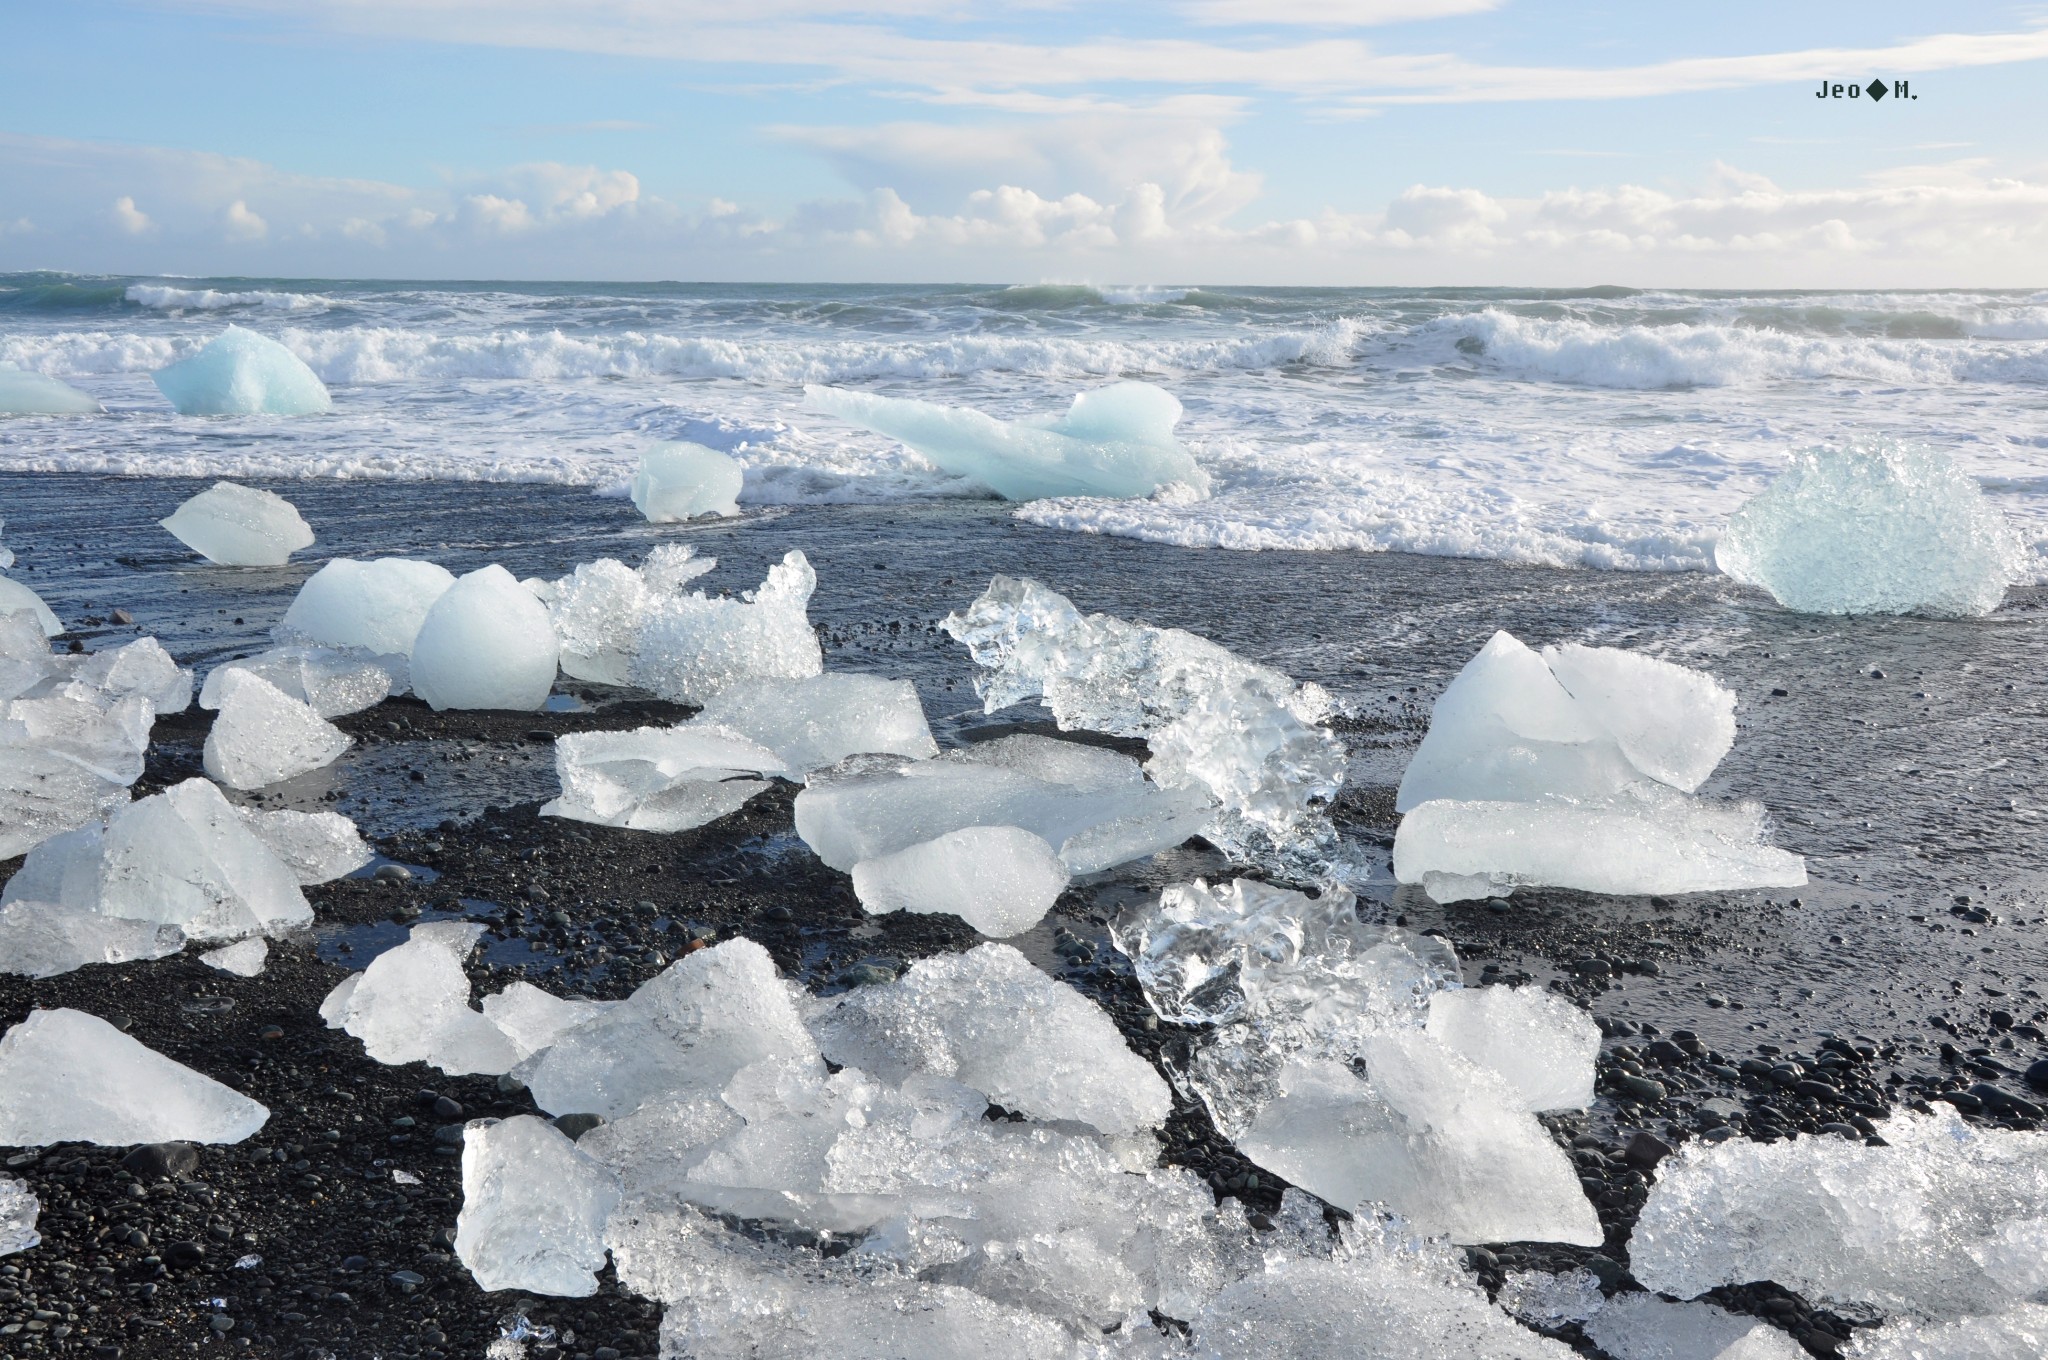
x,y
1115,441
240,526
69,1077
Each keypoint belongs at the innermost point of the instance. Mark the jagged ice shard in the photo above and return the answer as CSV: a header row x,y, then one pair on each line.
x,y
69,1077
23,393
1114,441
1573,768
331,681
658,778
822,719
241,373
263,735
599,608
677,480
240,526
533,1209
1874,529
695,646
486,643
1242,735
412,1005
1540,1044
18,598
70,748
19,1209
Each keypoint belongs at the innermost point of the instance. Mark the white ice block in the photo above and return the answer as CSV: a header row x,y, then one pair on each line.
x,y
486,643
263,735
1001,880
822,719
1540,1044
46,939
678,480
376,606
331,681
240,526
241,373
139,667
19,1209
1645,1327
658,778
695,646
533,1209
412,1005
318,847
70,1077
16,596
34,394
244,958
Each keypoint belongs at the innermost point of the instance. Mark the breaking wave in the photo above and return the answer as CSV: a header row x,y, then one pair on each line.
x,y
163,298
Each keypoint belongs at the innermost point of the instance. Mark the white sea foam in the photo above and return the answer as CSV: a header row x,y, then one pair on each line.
x,y
164,298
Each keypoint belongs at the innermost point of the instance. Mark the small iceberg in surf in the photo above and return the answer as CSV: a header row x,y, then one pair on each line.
x,y
241,373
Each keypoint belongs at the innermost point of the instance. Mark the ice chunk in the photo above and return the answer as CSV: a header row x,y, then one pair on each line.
x,y
1114,441
69,1077
678,480
822,719
2020,1333
1874,529
1547,1300
139,667
318,847
32,394
412,1005
375,606
331,681
1645,1327
1242,735
695,646
687,1029
1539,1043
334,1006
1646,839
866,809
486,643
597,611
240,526
183,858
44,939
671,566
1923,1225
658,779
15,596
25,657
533,1209
533,1019
989,1019
1001,880
19,1209
241,373
65,760
263,735
245,958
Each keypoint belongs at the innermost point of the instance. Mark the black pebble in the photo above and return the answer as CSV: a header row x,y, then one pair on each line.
x,y
2037,1076
184,1255
576,1125
162,1161
444,1108
1645,1150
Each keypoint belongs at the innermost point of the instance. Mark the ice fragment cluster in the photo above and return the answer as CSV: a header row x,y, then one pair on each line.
x,y
23,393
241,373
240,526
19,1209
693,647
1645,1327
1115,441
1574,768
69,1077
331,681
1874,529
677,480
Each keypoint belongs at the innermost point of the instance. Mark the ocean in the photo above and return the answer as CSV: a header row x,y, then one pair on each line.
x,y
1608,428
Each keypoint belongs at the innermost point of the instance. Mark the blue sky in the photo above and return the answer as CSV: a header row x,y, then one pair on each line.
x,y
1283,141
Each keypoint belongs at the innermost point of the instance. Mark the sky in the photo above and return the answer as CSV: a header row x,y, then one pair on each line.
x,y
1314,142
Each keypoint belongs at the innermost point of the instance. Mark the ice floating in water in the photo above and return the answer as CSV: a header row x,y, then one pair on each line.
x,y
1571,769
533,1209
1114,441
822,719
376,607
1094,806
679,480
245,958
19,1209
1645,1327
69,1077
1239,734
1539,1043
14,597
693,647
241,373
1944,1221
658,778
486,643
330,681
991,1020
263,735
33,394
1001,880
240,526
1874,529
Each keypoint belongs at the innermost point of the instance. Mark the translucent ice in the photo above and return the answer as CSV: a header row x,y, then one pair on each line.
x,y
375,606
678,480
1536,1041
1114,441
2019,1333
32,394
1547,1300
241,373
658,778
822,719
318,847
533,1019
25,657
240,526
1242,735
695,646
69,1077
66,759
18,1212
533,1209
244,958
1645,839
1874,529
1001,880
412,1005
686,1030
1645,1327
1096,808
45,939
599,608
15,596
331,681
486,643
989,1019
263,735
139,667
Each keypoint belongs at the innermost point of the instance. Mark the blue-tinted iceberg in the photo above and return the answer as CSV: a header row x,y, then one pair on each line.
x,y
1115,441
32,394
240,526
679,480
242,373
1874,529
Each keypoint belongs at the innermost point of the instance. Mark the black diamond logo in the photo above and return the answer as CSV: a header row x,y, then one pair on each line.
x,y
1876,90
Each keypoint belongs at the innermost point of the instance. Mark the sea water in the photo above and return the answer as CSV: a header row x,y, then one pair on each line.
x,y
1606,427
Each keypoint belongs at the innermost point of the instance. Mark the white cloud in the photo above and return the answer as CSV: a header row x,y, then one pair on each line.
x,y
130,218
244,225
1331,13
